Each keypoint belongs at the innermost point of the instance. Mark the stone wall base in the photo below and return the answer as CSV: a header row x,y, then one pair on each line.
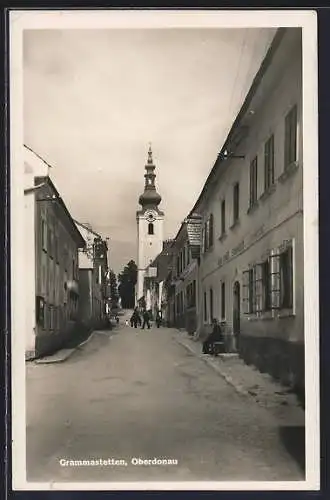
x,y
29,355
283,360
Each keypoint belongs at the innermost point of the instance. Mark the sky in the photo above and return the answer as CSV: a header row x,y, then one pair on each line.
x,y
94,99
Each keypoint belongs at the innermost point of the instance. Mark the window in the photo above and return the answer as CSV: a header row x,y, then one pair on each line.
x,y
223,300
51,242
286,279
211,229
191,294
51,318
205,307
150,228
65,257
253,181
269,163
251,291
269,285
266,288
290,139
211,304
205,237
44,235
236,202
208,233
223,217
188,255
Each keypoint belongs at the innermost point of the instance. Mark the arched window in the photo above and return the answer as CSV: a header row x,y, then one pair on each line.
x,y
150,228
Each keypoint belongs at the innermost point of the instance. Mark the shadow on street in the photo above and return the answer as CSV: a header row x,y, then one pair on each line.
x,y
293,438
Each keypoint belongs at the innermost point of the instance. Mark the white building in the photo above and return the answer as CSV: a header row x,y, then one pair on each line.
x,y
252,264
149,226
33,167
90,280
51,251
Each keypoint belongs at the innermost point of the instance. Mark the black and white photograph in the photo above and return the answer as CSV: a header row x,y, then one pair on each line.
x,y
164,250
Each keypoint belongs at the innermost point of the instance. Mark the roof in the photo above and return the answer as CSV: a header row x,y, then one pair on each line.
x,y
76,234
247,102
87,228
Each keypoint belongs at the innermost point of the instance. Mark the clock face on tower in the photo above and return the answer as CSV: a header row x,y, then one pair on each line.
x,y
150,216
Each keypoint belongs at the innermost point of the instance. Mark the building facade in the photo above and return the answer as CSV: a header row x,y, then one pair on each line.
x,y
180,287
92,276
52,274
154,279
252,263
149,226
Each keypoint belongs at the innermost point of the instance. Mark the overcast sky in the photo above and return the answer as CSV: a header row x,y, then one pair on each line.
x,y
94,99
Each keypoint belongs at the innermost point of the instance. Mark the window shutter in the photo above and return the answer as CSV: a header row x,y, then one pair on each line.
x,y
258,288
275,279
203,236
246,292
211,230
207,235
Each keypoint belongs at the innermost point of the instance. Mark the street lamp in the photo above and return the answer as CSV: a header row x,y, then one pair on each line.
x,y
228,154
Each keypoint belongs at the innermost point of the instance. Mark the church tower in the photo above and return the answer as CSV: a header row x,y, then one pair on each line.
x,y
149,225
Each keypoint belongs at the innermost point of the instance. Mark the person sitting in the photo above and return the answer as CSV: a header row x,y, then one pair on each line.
x,y
215,336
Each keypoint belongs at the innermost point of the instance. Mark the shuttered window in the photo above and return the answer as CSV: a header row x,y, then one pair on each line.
x,y
269,285
211,304
211,231
253,181
223,217
236,202
223,300
290,139
269,163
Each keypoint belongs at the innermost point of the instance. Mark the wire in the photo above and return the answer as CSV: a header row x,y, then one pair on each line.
x,y
37,155
237,74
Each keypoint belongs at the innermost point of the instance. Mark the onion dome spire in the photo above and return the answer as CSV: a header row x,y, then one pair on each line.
x,y
150,198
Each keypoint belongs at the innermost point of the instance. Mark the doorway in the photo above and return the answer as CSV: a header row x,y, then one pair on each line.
x,y
236,312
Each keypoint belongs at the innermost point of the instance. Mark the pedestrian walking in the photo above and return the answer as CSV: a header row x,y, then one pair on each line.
x,y
136,318
146,320
158,319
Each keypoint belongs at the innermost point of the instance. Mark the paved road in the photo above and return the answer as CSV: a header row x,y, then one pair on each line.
x,y
138,394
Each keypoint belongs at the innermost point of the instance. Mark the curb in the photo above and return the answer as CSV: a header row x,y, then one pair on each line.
x,y
66,356
210,363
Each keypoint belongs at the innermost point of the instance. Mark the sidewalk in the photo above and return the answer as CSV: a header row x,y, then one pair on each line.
x,y
248,381
63,354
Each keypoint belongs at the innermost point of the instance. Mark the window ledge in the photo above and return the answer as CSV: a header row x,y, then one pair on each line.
x,y
222,237
235,224
289,170
263,316
286,314
253,208
268,192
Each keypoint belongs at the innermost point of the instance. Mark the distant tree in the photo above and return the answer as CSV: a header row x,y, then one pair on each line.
x,y
114,295
127,281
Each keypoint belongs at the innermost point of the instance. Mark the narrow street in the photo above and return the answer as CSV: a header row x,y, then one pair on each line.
x,y
138,394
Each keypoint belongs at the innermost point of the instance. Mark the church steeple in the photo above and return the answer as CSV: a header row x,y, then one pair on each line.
x,y
150,198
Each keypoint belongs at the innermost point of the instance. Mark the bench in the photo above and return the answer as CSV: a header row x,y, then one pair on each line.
x,y
216,348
